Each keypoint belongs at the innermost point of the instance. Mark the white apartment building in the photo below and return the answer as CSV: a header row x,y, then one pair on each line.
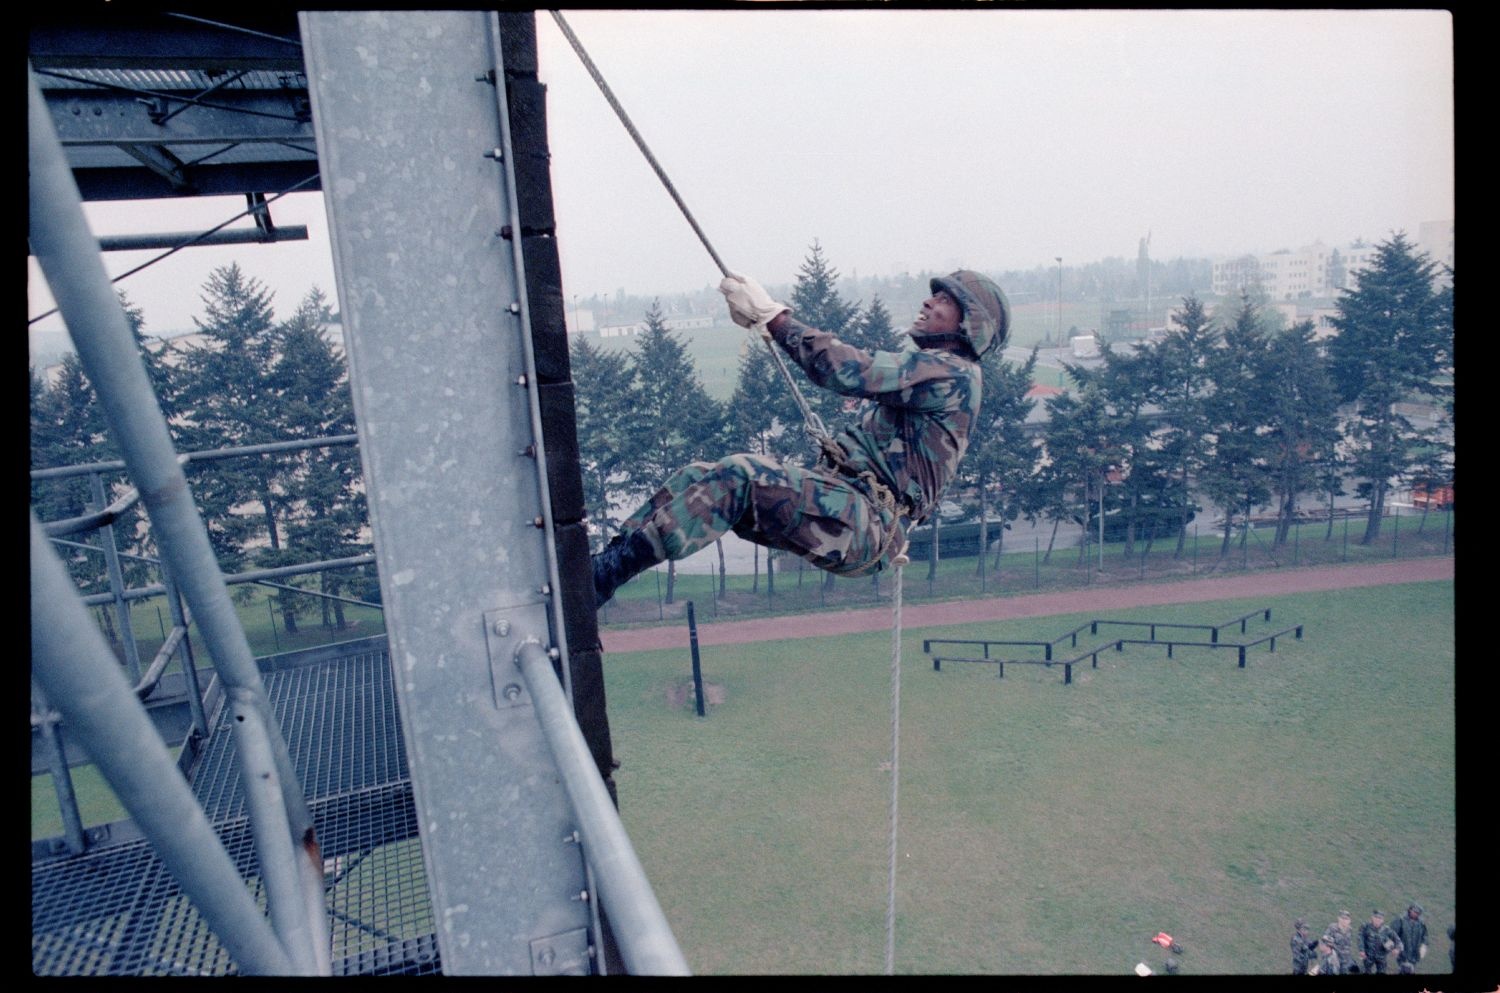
x,y
1317,270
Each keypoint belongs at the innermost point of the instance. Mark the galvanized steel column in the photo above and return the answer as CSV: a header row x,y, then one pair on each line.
x,y
416,186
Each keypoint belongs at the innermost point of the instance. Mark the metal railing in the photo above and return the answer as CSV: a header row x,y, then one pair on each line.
x,y
77,674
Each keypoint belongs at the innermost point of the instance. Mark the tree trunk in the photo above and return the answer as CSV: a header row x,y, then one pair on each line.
x,y
671,579
984,536
1377,509
288,614
1182,532
270,514
723,570
932,558
755,568
1051,540
1288,514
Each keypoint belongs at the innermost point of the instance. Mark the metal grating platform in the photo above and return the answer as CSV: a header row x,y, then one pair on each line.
x,y
115,910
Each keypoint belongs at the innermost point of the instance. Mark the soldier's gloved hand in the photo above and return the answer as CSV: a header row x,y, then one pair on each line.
x,y
749,303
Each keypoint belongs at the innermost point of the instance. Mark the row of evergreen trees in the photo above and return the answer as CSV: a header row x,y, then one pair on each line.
x,y
1235,412
250,380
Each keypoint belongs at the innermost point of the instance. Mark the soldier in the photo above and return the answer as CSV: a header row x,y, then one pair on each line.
x,y
1376,941
1340,936
849,513
1303,947
1327,962
1412,932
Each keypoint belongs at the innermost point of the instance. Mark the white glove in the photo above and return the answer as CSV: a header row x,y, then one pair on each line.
x,y
1421,952
749,303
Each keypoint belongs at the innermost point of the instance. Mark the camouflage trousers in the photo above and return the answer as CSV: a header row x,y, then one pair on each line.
x,y
812,513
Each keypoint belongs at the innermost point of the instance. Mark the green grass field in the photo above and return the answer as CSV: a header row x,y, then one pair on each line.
x,y
1050,829
1044,829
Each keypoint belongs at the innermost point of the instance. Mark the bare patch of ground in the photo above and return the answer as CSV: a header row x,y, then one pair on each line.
x,y
681,694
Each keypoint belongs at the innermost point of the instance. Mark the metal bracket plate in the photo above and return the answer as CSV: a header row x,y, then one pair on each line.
x,y
565,954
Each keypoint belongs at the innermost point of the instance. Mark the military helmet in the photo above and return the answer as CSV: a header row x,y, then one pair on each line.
x,y
986,312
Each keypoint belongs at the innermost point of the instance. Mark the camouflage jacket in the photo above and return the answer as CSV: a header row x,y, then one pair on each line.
x,y
1304,949
920,407
1327,965
1379,942
1342,942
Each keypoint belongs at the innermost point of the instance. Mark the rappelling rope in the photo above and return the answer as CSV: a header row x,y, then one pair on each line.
x,y
830,449
811,421
890,903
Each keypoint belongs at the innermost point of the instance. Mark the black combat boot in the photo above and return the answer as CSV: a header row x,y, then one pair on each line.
x,y
625,557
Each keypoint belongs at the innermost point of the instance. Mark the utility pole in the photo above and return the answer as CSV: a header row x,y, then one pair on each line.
x,y
1059,301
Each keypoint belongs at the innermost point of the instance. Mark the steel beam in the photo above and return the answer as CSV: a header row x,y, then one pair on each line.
x,y
416,191
108,117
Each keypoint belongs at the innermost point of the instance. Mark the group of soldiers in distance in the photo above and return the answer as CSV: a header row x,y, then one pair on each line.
x,y
1375,949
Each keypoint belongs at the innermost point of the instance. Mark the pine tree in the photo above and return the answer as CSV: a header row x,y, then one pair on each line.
x,y
1237,474
678,422
1081,447
227,401
68,428
873,329
1128,383
1185,384
604,384
1394,345
322,503
1002,456
1304,422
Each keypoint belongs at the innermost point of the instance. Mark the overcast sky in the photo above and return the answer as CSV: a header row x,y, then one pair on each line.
x,y
931,139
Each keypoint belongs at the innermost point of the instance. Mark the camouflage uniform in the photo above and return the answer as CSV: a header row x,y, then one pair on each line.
x,y
1342,940
1376,941
912,434
1328,962
1302,948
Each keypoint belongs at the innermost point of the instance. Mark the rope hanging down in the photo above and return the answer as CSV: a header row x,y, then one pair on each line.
x,y
815,427
812,422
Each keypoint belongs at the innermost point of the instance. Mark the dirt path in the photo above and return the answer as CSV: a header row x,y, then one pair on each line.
x,y
1097,598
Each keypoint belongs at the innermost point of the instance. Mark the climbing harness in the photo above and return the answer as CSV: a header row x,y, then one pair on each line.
x,y
830,450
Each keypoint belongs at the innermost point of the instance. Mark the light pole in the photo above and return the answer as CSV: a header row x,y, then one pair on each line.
x,y
1059,301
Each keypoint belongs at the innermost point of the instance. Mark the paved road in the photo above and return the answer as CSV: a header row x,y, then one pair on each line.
x,y
1269,582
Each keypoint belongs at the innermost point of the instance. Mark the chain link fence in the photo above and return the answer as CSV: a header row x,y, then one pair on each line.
x,y
794,587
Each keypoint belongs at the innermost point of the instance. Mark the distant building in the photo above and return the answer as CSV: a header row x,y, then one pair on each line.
x,y
672,324
1317,271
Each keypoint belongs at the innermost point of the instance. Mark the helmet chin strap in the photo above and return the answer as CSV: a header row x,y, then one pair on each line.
x,y
935,340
